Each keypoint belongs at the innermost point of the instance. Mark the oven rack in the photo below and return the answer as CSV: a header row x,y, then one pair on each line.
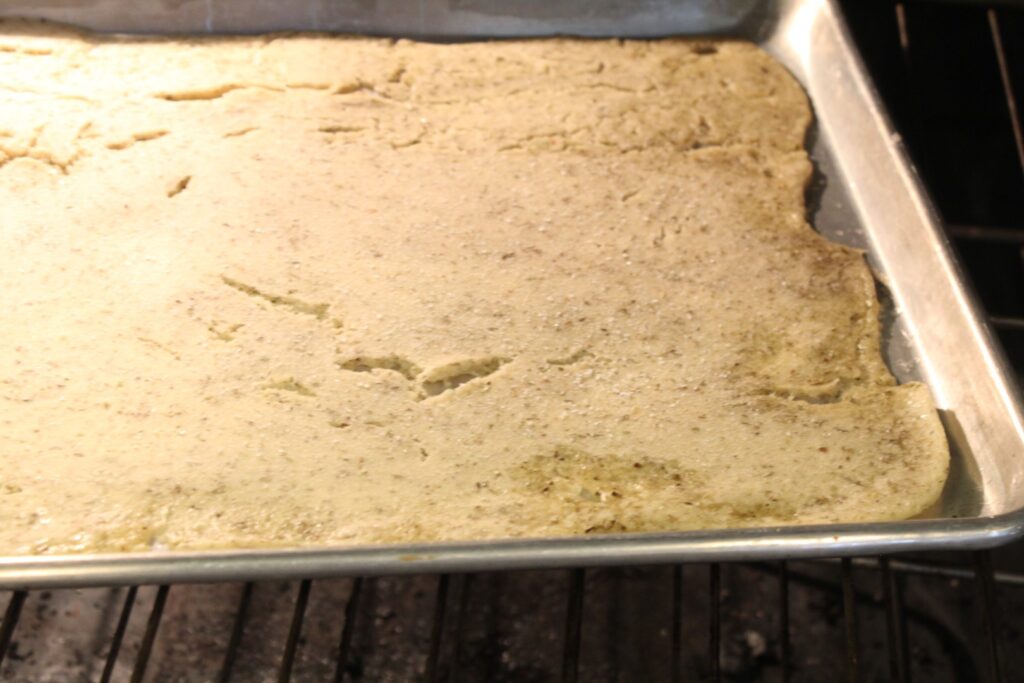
x,y
859,585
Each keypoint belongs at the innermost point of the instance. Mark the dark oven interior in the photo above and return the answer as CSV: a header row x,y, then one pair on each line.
x,y
952,76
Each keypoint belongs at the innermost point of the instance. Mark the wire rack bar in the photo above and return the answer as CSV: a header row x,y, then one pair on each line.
x,y
291,646
237,629
149,636
11,617
896,624
996,234
119,631
932,569
437,630
349,627
1004,74
573,626
465,586
1007,323
901,25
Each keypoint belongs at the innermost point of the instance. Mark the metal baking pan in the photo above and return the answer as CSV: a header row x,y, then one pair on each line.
x,y
865,194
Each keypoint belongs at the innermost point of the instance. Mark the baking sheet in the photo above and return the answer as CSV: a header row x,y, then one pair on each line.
x,y
864,193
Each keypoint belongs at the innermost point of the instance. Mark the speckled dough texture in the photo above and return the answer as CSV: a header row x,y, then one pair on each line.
x,y
308,290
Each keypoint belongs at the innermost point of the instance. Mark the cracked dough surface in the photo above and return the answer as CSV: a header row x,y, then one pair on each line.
x,y
303,290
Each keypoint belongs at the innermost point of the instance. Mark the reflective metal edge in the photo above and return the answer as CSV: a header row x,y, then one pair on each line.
x,y
610,550
907,247
960,361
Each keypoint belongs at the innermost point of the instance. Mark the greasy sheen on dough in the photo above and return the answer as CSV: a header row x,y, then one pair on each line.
x,y
300,290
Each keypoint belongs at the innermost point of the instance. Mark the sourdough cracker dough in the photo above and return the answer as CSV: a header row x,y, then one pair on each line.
x,y
308,290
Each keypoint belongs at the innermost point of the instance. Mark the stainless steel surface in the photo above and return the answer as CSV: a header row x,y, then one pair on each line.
x,y
865,194
484,18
